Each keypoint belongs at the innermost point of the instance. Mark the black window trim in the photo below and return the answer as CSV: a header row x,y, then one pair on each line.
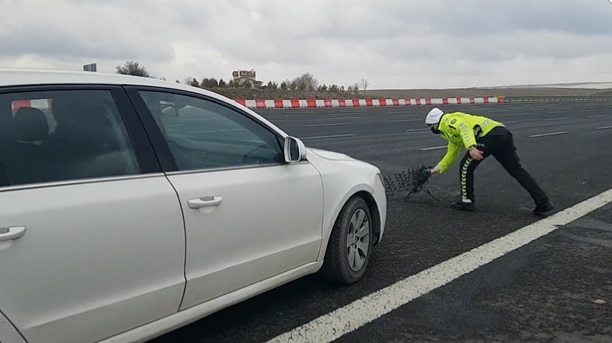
x,y
136,134
158,141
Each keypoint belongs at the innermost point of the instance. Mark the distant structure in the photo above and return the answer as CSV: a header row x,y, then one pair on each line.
x,y
90,67
241,76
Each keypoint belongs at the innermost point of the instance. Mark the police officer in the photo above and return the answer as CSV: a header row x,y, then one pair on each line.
x,y
482,137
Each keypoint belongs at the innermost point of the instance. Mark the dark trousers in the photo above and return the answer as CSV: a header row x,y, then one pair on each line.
x,y
499,143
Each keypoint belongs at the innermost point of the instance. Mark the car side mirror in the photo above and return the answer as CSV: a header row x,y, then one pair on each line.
x,y
294,150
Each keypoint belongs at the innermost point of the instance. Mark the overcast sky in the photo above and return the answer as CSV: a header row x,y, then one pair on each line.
x,y
391,43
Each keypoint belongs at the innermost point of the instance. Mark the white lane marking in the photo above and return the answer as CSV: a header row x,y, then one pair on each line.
x,y
351,317
416,130
548,134
402,120
510,122
553,119
338,118
434,148
603,127
321,125
599,116
330,136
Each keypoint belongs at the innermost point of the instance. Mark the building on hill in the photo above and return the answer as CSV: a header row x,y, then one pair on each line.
x,y
241,76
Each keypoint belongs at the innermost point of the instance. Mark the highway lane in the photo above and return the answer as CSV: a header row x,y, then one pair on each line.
x,y
556,289
422,232
382,121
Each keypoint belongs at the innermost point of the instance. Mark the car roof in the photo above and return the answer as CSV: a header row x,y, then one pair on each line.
x,y
23,77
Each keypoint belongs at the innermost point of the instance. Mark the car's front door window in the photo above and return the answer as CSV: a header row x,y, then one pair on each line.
x,y
203,134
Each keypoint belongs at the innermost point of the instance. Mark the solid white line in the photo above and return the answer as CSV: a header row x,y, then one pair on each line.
x,y
416,130
548,134
599,116
321,125
348,318
330,136
434,148
603,127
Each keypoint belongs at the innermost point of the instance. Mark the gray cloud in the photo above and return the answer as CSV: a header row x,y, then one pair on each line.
x,y
436,43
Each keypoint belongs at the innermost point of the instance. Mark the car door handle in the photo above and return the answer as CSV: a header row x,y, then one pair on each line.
x,y
11,233
205,201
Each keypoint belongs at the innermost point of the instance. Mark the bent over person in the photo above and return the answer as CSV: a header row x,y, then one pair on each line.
x,y
482,137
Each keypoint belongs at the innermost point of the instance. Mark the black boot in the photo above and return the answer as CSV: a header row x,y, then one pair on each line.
x,y
464,206
543,207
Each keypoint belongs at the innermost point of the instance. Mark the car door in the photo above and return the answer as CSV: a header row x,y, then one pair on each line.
x,y
248,215
91,232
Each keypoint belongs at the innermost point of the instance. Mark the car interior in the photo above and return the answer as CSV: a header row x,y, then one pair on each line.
x,y
77,137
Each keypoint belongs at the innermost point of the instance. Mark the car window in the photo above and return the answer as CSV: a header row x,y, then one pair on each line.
x,y
51,136
202,134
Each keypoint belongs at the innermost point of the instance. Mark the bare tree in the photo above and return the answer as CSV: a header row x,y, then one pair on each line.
x,y
191,81
356,89
133,68
364,85
305,82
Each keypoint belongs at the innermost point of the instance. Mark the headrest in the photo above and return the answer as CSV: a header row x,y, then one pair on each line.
x,y
30,125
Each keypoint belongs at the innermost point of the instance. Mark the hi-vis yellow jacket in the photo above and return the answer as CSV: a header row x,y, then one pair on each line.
x,y
461,131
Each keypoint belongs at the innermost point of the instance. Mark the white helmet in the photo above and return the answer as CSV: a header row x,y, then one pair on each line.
x,y
433,117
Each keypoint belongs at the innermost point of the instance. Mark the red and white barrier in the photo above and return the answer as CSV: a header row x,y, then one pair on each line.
x,y
42,104
331,103
320,103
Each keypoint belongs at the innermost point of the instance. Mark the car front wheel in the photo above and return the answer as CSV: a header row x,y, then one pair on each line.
x,y
350,244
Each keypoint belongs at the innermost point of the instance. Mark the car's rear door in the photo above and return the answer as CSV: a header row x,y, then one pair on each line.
x,y
91,234
249,216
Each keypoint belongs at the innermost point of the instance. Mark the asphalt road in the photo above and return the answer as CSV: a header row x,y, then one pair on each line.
x,y
555,289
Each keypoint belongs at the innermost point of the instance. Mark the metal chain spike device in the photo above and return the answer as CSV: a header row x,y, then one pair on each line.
x,y
411,181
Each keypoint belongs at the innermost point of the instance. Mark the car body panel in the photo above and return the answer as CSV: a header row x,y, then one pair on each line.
x,y
192,314
260,229
96,258
8,333
344,177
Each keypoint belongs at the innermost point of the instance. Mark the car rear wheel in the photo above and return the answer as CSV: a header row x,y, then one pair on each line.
x,y
350,244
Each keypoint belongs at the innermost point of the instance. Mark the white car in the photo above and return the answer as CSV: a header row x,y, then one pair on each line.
x,y
131,206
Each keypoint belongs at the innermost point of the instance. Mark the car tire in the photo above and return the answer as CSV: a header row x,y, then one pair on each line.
x,y
341,264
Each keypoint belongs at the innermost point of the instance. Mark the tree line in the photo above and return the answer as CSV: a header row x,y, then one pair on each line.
x,y
304,82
